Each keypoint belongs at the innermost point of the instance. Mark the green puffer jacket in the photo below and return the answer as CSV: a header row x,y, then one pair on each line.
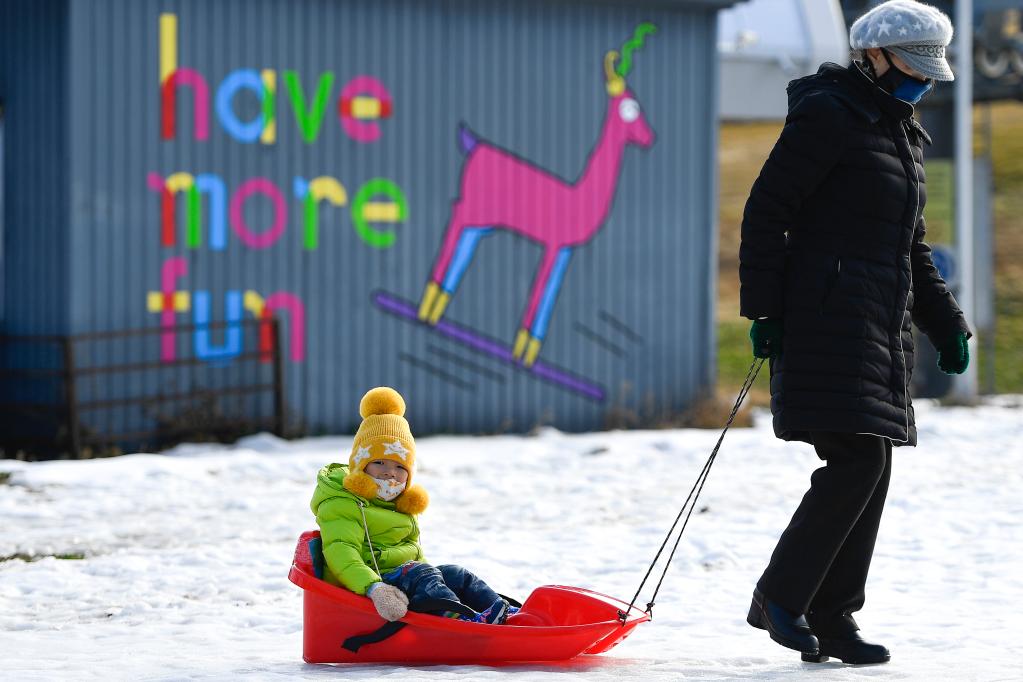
x,y
349,562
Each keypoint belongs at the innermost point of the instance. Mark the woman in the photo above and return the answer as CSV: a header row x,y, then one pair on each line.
x,y
833,268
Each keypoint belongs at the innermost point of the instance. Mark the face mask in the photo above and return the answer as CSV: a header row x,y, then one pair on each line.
x,y
388,489
912,90
900,84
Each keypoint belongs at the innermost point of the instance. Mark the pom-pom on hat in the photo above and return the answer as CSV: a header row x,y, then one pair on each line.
x,y
384,434
918,33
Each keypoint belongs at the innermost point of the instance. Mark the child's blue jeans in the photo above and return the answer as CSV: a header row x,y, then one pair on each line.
x,y
420,581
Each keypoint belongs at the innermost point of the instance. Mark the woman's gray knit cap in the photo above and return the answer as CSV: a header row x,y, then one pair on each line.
x,y
916,32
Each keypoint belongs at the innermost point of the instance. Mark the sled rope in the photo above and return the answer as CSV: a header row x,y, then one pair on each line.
x,y
697,488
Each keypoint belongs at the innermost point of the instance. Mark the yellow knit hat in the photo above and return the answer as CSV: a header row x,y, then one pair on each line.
x,y
384,434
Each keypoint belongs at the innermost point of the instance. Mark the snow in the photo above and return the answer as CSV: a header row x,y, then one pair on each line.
x,y
186,553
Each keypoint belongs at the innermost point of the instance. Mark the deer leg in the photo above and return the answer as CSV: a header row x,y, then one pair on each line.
x,y
538,331
432,295
435,300
541,302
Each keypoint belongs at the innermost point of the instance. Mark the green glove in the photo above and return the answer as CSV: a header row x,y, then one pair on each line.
x,y
766,337
954,355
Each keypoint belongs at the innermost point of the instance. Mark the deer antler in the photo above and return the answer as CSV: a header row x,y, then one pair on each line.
x,y
615,83
633,44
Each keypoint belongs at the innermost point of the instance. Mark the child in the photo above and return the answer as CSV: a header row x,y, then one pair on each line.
x,y
367,511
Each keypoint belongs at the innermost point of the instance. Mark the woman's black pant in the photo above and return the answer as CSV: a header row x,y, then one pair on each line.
x,y
819,567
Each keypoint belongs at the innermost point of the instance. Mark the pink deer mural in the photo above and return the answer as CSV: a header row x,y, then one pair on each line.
x,y
502,191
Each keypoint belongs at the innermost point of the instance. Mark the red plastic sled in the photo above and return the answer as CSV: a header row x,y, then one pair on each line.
x,y
555,623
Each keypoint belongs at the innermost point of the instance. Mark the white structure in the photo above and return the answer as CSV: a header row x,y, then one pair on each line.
x,y
763,44
964,387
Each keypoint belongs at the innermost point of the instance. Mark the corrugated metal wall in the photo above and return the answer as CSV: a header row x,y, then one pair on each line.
x,y
633,323
33,88
34,219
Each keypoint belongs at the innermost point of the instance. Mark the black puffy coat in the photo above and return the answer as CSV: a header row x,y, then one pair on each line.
x,y
832,243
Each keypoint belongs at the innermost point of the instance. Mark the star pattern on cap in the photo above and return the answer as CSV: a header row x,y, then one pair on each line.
x,y
903,30
362,454
396,448
884,28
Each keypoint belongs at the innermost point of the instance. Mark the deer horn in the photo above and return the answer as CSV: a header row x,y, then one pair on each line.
x,y
633,44
615,83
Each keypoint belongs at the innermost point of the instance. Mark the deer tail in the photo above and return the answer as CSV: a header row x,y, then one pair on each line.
x,y
467,140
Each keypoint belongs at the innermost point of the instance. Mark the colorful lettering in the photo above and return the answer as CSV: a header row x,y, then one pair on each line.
x,y
178,182
204,346
309,121
362,104
283,300
254,304
168,46
269,134
213,186
365,211
359,113
311,194
200,103
237,217
243,79
169,301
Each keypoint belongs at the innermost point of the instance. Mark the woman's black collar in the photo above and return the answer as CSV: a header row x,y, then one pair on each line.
x,y
885,101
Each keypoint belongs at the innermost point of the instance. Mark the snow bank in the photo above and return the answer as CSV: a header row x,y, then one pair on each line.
x,y
186,554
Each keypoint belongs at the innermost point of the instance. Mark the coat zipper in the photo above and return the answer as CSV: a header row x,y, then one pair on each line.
x,y
914,180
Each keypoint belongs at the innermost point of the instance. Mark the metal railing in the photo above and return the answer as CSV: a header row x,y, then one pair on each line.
x,y
100,393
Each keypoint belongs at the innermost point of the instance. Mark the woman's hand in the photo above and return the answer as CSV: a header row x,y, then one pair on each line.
x,y
954,355
766,337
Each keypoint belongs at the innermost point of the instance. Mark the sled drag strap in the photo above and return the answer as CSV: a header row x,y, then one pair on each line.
x,y
694,494
392,628
380,634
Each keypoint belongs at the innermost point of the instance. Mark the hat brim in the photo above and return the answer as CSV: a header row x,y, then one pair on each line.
x,y
931,67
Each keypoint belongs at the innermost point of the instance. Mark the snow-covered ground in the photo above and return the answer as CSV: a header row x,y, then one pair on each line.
x,y
186,554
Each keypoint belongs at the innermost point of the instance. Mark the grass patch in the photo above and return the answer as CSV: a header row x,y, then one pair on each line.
x,y
4,477
735,355
29,558
706,412
1008,348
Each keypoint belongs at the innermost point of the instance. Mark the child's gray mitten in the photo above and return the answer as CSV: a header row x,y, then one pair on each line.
x,y
390,602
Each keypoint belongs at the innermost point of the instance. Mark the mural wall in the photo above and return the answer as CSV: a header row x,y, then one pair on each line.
x,y
503,210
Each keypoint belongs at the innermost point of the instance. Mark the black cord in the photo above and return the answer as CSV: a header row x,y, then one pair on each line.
x,y
697,488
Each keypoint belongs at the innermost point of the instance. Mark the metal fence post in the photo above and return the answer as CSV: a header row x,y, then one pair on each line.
x,y
71,396
278,379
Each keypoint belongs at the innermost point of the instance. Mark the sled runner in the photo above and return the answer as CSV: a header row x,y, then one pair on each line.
x,y
555,623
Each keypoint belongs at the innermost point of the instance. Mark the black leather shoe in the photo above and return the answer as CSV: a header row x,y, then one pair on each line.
x,y
785,627
849,649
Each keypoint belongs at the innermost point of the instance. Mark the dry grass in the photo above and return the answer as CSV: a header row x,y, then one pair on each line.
x,y
742,151
707,412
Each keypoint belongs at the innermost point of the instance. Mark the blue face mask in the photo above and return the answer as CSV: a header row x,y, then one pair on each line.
x,y
911,90
901,84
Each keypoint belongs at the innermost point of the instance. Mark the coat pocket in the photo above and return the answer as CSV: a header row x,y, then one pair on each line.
x,y
831,283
